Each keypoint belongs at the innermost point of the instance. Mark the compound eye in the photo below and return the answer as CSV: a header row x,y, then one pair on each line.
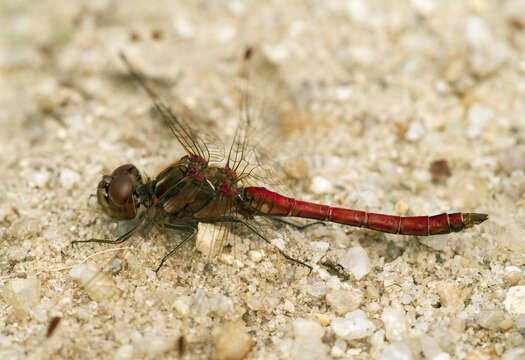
x,y
122,169
120,189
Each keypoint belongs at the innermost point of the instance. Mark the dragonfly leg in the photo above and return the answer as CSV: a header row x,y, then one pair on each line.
x,y
189,229
180,227
252,229
118,240
294,225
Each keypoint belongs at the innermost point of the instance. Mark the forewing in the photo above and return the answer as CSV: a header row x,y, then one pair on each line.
x,y
178,123
257,137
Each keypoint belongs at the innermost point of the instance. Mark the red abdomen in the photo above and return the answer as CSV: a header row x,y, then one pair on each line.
x,y
266,202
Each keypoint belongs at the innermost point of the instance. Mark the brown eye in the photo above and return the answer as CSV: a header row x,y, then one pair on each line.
x,y
122,169
120,189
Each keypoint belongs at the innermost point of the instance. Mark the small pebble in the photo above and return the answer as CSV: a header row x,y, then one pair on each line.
x,y
209,267
97,284
478,117
232,341
182,304
478,33
68,178
430,347
517,353
114,266
513,236
16,254
296,168
423,7
490,319
515,300
21,275
184,28
39,312
255,255
228,259
356,262
344,300
358,11
406,299
237,7
415,131
279,243
22,295
441,356
225,34
401,207
321,185
288,306
455,70
396,327
319,245
506,323
378,338
343,93
275,53
393,251
356,129
124,352
255,302
303,328
449,294
355,325
396,351
41,178
512,158
339,348
512,273
222,305
316,287
512,10
519,323
323,319
47,96
206,243
308,349
153,346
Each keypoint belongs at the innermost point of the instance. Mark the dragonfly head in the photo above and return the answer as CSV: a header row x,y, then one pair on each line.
x,y
117,193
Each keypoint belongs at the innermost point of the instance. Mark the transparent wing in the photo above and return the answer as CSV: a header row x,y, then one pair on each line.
x,y
242,156
177,123
253,151
210,140
237,156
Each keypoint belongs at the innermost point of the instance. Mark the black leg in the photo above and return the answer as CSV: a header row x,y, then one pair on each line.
x,y
297,226
192,231
252,229
118,240
180,227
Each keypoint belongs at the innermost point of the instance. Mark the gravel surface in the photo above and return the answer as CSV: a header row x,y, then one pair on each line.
x,y
401,107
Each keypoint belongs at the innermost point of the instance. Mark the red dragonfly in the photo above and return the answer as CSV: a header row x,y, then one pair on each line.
x,y
192,191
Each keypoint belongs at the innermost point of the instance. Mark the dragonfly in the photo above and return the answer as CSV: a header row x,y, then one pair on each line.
x,y
195,190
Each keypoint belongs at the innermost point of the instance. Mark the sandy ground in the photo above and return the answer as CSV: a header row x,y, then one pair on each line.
x,y
364,95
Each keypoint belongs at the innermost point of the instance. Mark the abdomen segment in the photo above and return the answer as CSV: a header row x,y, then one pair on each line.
x,y
266,202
